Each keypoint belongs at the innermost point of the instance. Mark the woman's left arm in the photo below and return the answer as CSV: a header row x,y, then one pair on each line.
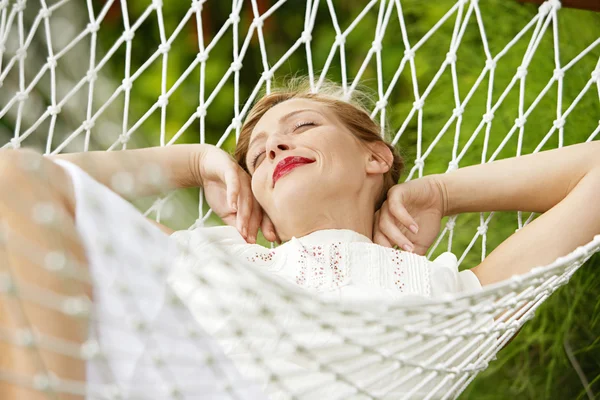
x,y
563,184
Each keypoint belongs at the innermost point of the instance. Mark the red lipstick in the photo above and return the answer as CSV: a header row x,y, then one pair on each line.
x,y
287,164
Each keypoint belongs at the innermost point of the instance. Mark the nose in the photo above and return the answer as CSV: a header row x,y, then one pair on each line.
x,y
277,145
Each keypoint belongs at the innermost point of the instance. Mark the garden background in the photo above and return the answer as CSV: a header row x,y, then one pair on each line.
x,y
555,353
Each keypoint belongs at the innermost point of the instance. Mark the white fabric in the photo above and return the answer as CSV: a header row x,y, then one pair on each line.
x,y
124,251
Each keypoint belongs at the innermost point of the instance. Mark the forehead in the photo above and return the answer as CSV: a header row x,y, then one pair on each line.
x,y
274,114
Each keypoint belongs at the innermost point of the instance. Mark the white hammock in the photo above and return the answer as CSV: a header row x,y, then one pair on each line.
x,y
426,350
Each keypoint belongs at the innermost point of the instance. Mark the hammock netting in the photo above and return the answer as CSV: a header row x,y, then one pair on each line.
x,y
66,87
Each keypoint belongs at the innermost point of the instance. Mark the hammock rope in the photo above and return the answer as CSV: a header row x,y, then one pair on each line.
x,y
427,349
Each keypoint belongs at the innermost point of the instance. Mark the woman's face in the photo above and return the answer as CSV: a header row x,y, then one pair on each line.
x,y
304,161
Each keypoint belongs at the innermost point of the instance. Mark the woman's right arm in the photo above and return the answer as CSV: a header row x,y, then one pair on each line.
x,y
153,170
563,184
156,170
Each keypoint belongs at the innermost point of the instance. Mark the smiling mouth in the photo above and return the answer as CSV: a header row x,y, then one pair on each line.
x,y
288,164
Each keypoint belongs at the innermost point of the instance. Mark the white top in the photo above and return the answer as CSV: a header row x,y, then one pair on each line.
x,y
339,264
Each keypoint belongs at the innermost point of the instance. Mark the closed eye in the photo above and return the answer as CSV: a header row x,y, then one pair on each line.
x,y
256,158
298,125
301,124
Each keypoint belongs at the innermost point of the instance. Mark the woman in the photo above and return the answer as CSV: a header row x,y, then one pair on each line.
x,y
311,171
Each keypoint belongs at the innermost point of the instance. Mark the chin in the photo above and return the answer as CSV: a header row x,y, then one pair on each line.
x,y
295,191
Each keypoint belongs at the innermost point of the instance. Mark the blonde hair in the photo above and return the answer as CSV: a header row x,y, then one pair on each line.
x,y
352,112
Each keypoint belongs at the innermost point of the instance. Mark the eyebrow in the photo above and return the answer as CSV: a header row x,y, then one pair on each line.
x,y
283,119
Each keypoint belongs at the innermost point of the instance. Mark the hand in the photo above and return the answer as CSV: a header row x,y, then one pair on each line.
x,y
411,215
228,192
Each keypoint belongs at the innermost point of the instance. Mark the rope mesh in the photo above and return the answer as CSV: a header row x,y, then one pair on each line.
x,y
429,349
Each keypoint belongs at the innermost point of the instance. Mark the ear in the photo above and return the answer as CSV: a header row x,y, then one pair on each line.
x,y
380,158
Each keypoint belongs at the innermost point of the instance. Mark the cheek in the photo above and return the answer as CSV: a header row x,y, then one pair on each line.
x,y
258,187
341,154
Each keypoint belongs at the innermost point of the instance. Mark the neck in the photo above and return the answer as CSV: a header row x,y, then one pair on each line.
x,y
340,215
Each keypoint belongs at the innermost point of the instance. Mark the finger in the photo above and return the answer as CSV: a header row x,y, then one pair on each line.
x,y
254,222
403,216
388,225
378,236
268,229
381,239
244,204
232,182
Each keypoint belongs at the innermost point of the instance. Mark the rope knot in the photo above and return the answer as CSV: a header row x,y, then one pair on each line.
x,y
20,5
88,124
91,75
376,45
93,27
419,163
490,64
75,306
236,123
488,117
43,382
45,13
202,57
267,75
128,35
409,54
452,166
544,9
236,66
306,37
197,6
201,111
559,123
451,57
418,104
164,48
520,122
235,18
21,54
124,138
340,39
381,104
157,4
458,111
558,74
127,84
555,4
596,75
89,350
482,230
521,72
163,100
51,61
54,110
258,22
22,96
15,143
